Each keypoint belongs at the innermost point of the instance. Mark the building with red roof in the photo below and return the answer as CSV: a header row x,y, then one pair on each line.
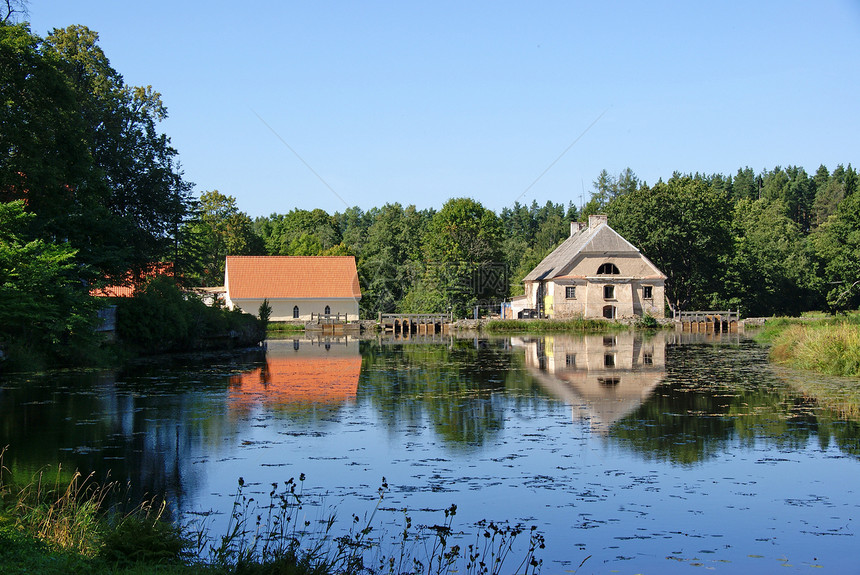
x,y
296,286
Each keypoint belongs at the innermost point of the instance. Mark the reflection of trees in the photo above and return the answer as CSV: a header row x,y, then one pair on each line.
x,y
710,398
454,385
140,426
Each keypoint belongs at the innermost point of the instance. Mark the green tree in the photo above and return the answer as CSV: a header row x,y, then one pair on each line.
x,y
837,247
46,309
389,265
44,160
220,229
299,233
139,185
770,270
683,226
745,185
463,255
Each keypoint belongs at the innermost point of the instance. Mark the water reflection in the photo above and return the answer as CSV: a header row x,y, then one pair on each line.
x,y
602,377
299,372
701,451
457,386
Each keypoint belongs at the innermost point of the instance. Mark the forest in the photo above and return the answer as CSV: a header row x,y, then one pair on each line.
x,y
92,192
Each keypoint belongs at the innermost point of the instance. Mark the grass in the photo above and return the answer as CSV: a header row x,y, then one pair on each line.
x,y
827,345
552,325
64,526
830,345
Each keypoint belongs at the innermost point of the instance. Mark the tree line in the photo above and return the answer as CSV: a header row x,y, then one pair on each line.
x,y
776,242
92,193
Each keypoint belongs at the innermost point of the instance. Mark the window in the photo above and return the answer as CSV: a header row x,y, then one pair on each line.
x,y
295,312
327,310
570,360
570,292
609,360
647,293
607,269
609,311
608,292
647,358
609,341
609,381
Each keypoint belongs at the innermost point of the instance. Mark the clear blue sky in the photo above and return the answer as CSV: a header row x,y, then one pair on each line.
x,y
418,102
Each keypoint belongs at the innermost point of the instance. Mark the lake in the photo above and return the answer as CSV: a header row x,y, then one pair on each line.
x,y
633,453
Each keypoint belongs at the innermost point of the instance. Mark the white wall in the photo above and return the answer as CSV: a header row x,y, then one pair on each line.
x,y
282,309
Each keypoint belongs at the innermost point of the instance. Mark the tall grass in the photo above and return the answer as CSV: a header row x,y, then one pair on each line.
x,y
551,325
72,514
72,520
825,347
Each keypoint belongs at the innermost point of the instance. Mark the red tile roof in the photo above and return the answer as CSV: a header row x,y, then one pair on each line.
x,y
132,282
252,277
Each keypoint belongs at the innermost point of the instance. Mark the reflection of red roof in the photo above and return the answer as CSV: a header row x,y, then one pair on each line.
x,y
311,379
131,282
291,277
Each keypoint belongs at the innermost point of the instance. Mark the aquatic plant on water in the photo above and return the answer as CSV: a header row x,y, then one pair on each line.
x,y
274,533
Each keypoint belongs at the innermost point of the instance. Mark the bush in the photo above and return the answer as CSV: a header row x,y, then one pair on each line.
x,y
161,318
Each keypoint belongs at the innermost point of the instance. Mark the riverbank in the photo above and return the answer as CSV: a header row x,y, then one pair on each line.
x,y
67,526
824,345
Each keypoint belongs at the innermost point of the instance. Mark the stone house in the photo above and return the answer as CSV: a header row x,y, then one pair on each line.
x,y
296,286
595,273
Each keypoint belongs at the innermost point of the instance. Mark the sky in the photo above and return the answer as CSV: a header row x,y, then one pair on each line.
x,y
284,104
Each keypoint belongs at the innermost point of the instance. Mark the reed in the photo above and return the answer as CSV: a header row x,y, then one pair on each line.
x,y
823,346
61,525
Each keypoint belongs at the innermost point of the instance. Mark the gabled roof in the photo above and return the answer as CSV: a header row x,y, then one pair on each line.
x,y
255,277
595,240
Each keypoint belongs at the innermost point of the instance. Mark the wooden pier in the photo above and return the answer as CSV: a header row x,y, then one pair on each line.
x,y
708,321
415,323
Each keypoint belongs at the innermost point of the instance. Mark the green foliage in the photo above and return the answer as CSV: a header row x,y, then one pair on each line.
x,y
298,233
144,537
769,271
45,306
389,262
161,318
825,346
648,322
462,248
683,226
217,230
550,326
837,247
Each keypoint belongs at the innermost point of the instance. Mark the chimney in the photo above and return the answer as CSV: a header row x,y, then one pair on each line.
x,y
575,228
596,220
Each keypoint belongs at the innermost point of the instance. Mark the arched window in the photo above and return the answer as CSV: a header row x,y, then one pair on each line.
x,y
295,312
609,311
608,268
327,310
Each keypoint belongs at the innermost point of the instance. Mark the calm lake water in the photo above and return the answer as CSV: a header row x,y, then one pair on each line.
x,y
644,454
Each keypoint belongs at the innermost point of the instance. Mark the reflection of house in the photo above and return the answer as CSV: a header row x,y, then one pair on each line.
x,y
594,273
296,286
603,377
300,371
